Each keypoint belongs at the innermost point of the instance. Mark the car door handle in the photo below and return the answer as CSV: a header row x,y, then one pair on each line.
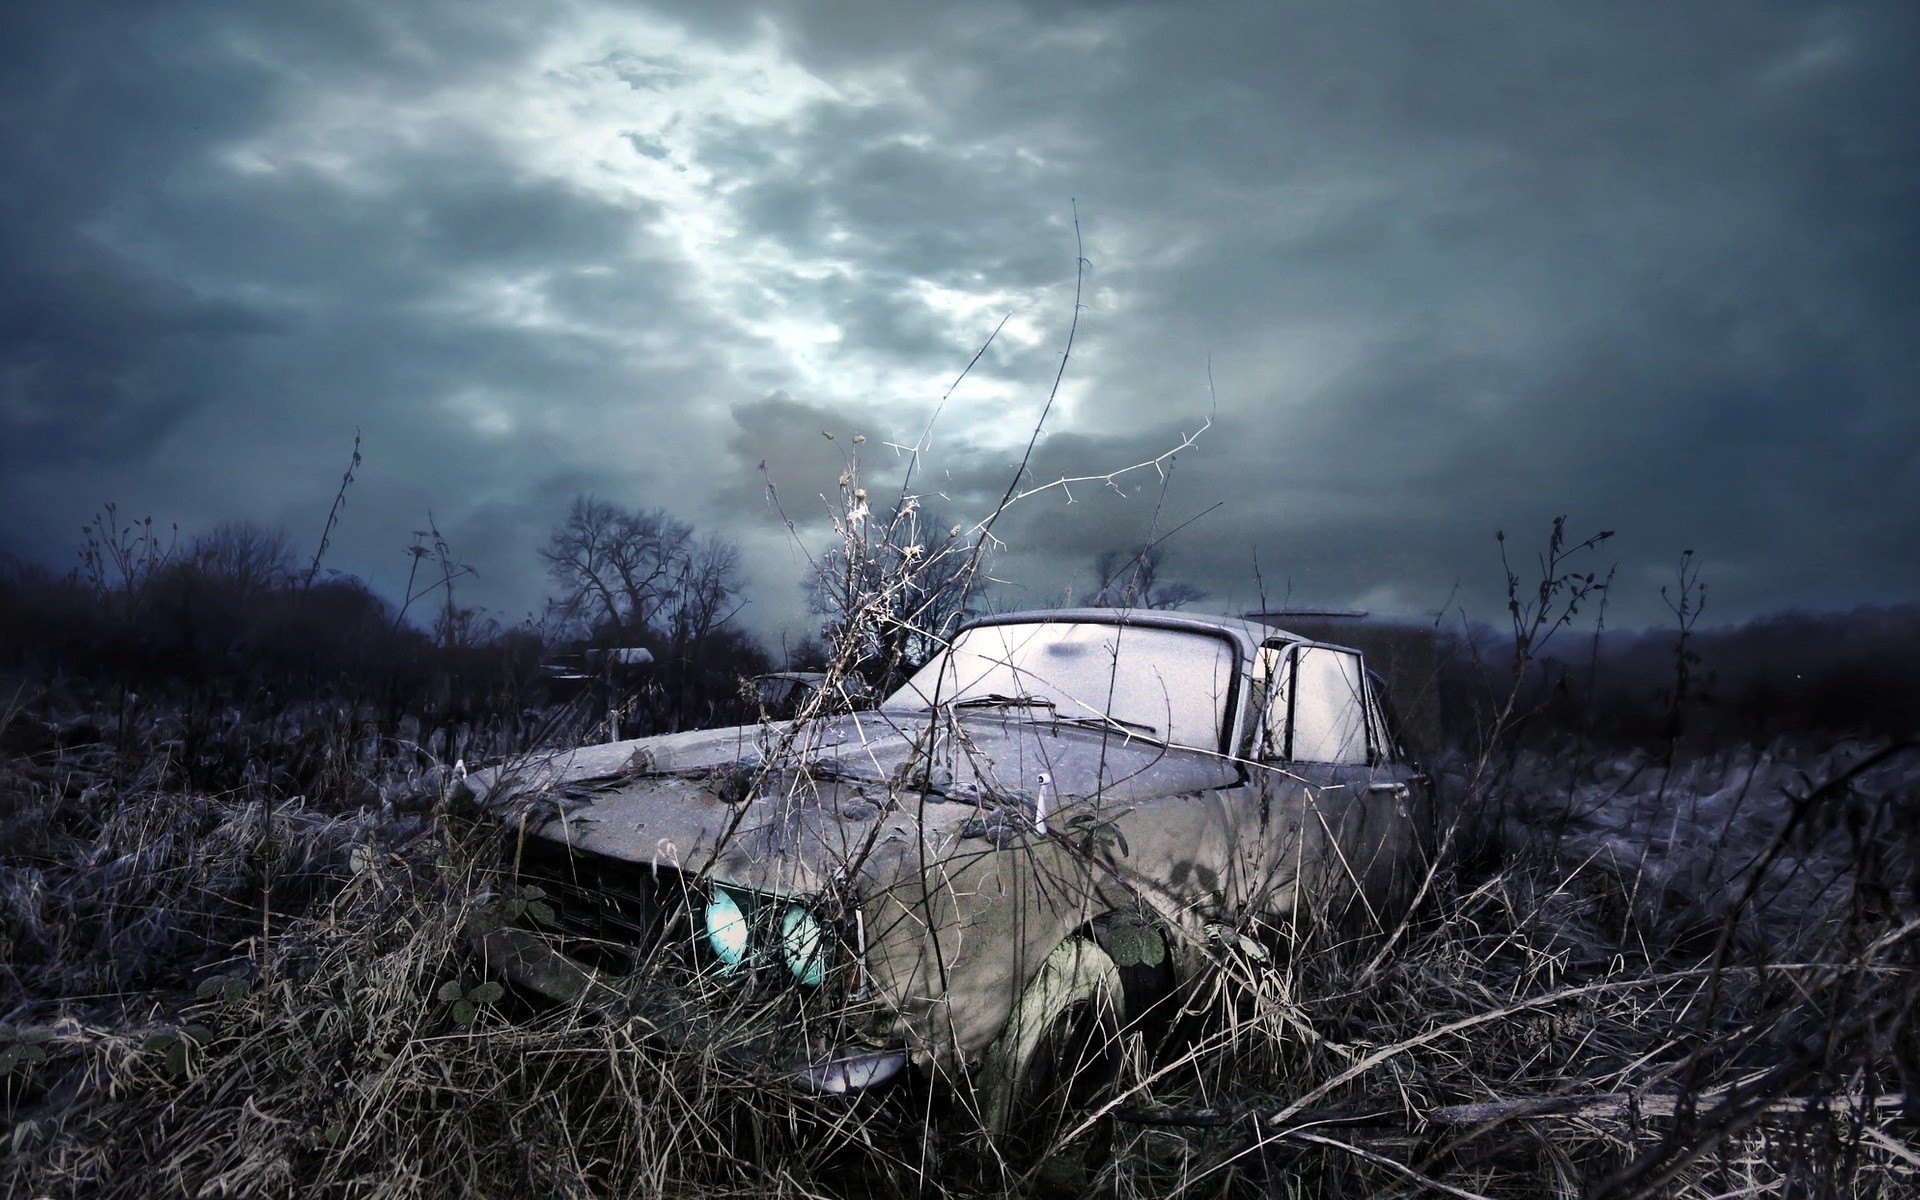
x,y
1400,792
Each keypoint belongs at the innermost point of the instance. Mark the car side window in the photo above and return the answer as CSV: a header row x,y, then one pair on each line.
x,y
1325,713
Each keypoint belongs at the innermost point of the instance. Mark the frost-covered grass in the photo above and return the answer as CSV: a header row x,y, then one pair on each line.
x,y
1678,845
258,990
1700,978
254,993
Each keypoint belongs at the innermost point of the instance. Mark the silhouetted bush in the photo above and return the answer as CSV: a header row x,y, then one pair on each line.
x,y
1800,677
224,639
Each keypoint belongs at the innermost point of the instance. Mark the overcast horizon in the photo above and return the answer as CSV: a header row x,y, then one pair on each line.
x,y
1430,273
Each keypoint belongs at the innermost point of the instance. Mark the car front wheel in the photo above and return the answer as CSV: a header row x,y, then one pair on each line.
x,y
1057,1062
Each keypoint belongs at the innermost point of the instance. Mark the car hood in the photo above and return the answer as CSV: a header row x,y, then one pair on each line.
x,y
864,798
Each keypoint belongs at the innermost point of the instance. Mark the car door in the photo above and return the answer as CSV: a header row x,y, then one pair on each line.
x,y
1400,806
1313,750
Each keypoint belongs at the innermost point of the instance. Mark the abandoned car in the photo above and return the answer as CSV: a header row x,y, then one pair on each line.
x,y
786,694
1046,823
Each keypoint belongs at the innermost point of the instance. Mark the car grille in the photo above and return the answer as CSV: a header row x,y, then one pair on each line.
x,y
608,914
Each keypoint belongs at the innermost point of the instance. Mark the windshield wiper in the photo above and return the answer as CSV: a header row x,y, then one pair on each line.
x,y
1100,721
1000,700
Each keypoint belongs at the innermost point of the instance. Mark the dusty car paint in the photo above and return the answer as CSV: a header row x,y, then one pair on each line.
x,y
964,846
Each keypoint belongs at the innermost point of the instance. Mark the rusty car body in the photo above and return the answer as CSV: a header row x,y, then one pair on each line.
x,y
957,867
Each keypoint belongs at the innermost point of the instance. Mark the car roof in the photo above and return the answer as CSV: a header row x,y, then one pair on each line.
x,y
1248,635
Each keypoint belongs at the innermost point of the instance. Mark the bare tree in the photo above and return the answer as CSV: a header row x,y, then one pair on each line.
x,y
897,587
705,583
251,558
1134,582
617,567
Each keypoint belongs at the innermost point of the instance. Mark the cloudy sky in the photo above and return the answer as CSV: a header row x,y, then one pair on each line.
x,y
1431,271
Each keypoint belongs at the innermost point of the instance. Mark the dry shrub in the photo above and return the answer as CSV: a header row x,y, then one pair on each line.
x,y
227,999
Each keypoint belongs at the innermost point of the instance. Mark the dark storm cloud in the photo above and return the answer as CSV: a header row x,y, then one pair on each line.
x,y
80,327
1654,266
802,449
202,341
1451,269
921,210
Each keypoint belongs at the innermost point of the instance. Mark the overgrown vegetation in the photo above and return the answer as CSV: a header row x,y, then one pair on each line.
x,y
1668,948
1679,965
1645,972
241,659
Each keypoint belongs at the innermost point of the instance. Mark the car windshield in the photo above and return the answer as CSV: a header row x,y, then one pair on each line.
x,y
1170,685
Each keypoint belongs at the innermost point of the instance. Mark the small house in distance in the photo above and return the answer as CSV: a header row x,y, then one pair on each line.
x,y
1401,651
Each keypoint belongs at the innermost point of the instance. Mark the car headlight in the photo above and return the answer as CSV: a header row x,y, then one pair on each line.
x,y
726,929
803,946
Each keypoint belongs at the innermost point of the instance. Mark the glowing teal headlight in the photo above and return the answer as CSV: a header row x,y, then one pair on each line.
x,y
804,946
726,929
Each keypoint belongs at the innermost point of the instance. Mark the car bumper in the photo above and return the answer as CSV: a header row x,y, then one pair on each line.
x,y
524,959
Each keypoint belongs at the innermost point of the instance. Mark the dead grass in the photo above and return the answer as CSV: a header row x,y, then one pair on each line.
x,y
1609,1011
235,997
228,1001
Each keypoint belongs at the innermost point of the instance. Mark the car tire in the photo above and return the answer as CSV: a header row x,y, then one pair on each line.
x,y
1056,1062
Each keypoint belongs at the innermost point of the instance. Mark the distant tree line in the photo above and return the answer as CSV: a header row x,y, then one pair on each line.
x,y
232,621
219,629
1794,677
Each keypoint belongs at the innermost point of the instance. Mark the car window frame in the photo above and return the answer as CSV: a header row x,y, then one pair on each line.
x,y
1239,676
1374,729
1385,748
